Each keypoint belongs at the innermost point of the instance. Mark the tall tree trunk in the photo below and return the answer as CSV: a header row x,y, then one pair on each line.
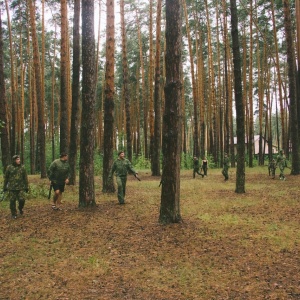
x,y
4,136
87,133
150,83
108,185
41,140
196,151
170,193
64,106
75,94
251,123
283,127
125,83
155,161
240,111
291,60
297,2
12,131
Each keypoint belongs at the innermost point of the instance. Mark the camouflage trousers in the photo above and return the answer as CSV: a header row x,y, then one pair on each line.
x,y
13,197
198,171
121,182
225,173
281,175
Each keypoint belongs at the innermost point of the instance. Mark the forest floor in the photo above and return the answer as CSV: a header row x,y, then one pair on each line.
x,y
228,246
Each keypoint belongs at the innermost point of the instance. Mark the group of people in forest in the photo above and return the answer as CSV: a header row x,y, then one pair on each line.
x,y
16,179
280,162
197,169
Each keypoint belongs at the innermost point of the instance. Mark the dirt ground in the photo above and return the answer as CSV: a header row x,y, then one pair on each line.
x,y
228,246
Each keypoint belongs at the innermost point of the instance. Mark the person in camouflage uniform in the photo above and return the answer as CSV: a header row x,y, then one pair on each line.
x,y
16,183
272,168
59,173
225,167
121,166
281,163
196,167
204,165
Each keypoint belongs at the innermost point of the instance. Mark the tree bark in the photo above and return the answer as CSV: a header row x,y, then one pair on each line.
x,y
125,83
291,61
41,136
5,149
170,193
64,107
108,185
75,94
238,90
155,160
87,133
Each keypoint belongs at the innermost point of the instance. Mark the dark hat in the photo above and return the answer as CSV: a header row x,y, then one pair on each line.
x,y
62,154
15,157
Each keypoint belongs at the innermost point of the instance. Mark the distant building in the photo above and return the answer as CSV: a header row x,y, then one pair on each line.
x,y
265,146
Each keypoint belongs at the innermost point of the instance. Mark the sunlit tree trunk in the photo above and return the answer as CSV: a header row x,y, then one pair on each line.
x,y
171,146
108,185
238,90
87,133
291,60
4,136
75,94
41,141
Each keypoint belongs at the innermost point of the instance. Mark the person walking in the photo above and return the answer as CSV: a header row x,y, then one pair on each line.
x,y
59,173
281,163
196,167
121,167
16,183
225,167
204,165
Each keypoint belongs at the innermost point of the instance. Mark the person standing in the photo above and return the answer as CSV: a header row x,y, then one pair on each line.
x,y
205,165
59,173
272,168
196,167
121,167
16,183
281,163
225,167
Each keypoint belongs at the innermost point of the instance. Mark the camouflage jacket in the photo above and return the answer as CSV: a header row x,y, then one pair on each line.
x,y
15,178
121,167
196,164
59,171
281,160
226,162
